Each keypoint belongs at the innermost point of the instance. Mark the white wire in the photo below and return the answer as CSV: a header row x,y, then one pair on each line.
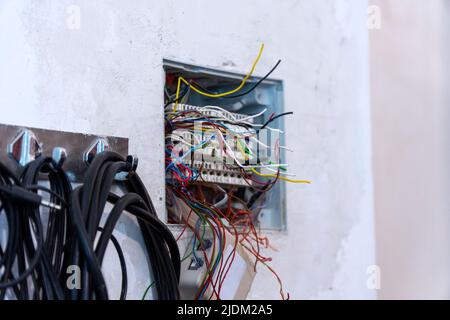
x,y
220,110
230,115
247,166
269,128
282,173
260,143
255,115
180,139
286,148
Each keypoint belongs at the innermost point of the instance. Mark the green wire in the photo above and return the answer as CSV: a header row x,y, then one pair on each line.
x,y
148,288
192,252
216,256
211,269
281,168
186,257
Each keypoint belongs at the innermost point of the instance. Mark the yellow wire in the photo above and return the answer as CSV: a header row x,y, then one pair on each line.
x,y
279,177
223,94
271,175
218,95
242,150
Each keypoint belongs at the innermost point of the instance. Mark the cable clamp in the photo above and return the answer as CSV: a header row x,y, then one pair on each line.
x,y
131,166
132,163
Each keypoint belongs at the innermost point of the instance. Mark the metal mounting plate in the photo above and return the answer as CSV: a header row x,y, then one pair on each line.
x,y
75,146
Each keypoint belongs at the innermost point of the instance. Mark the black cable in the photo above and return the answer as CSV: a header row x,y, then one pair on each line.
x,y
255,85
87,208
243,93
123,266
273,119
49,191
34,263
20,218
49,271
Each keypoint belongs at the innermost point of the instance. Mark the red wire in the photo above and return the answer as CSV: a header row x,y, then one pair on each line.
x,y
248,236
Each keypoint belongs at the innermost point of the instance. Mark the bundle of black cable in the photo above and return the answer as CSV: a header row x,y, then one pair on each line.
x,y
37,257
87,206
33,260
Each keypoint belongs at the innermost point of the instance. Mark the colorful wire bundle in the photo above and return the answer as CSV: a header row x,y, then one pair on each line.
x,y
209,210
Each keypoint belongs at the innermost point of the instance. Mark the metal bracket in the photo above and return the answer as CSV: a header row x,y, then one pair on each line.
x,y
59,155
25,147
100,145
71,151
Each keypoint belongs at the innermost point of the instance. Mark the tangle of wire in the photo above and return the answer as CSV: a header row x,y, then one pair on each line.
x,y
188,131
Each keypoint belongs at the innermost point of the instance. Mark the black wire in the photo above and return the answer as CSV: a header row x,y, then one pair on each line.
x,y
34,263
47,276
255,85
87,207
21,218
123,265
196,84
51,192
273,119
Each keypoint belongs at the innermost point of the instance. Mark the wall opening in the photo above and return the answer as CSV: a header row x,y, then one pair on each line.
x,y
268,208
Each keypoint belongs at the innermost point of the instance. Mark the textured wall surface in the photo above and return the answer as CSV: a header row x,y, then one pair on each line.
x,y
411,139
106,77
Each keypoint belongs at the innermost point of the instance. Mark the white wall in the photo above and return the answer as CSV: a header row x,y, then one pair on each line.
x,y
107,78
411,99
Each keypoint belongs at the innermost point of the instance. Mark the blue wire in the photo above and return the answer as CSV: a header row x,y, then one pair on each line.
x,y
192,149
